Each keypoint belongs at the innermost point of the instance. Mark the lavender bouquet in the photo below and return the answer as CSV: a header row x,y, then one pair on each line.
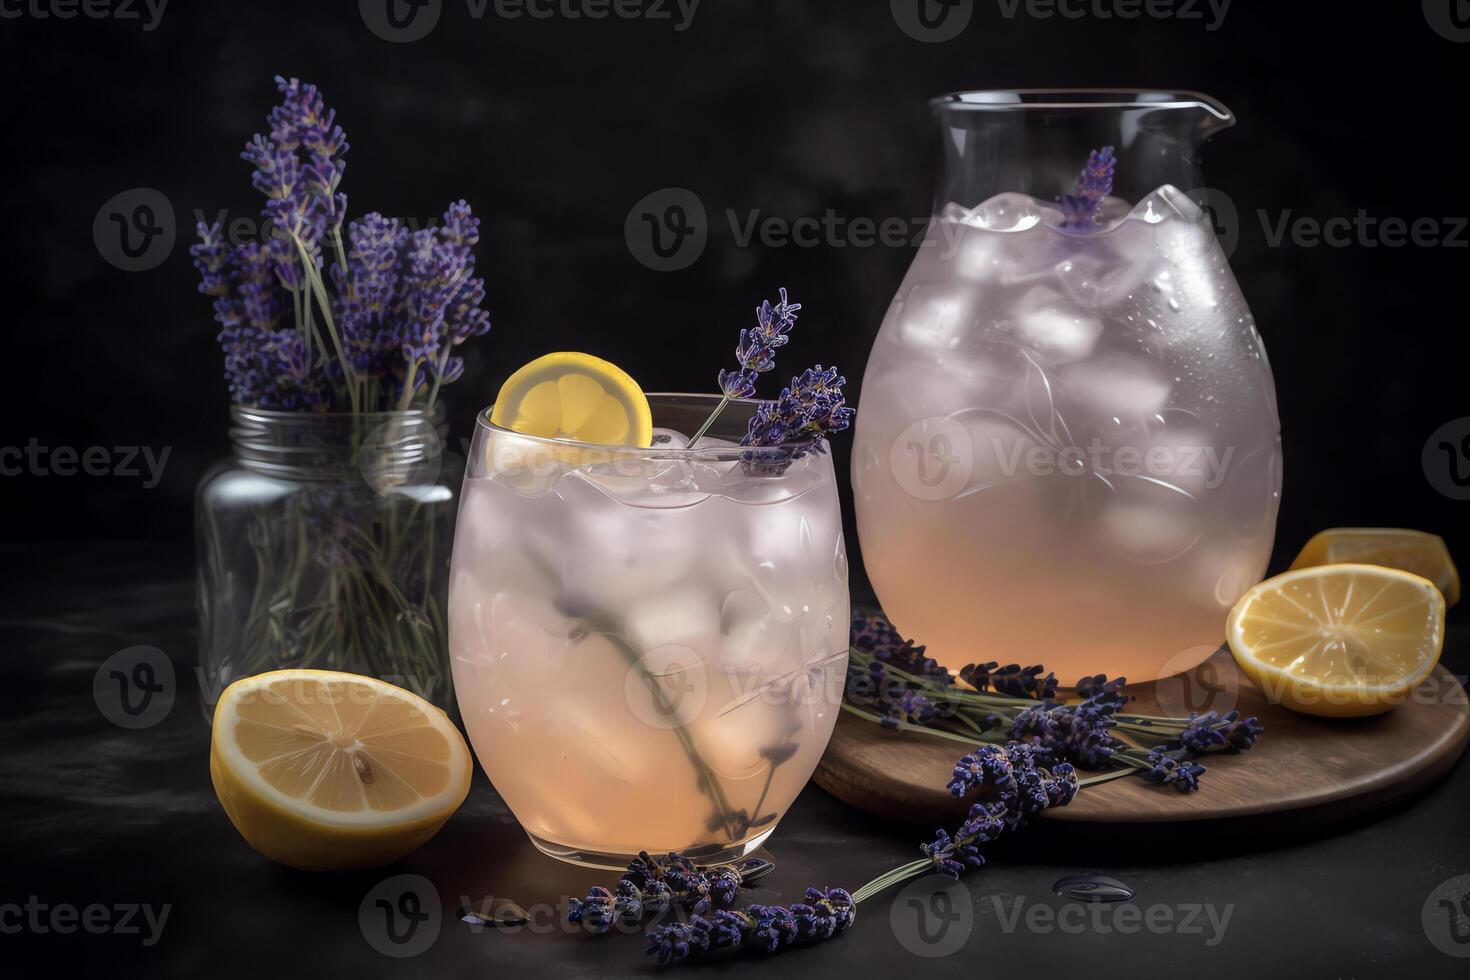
x,y
338,336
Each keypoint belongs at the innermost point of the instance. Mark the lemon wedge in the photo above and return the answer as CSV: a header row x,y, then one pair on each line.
x,y
325,770
1396,547
1338,640
568,395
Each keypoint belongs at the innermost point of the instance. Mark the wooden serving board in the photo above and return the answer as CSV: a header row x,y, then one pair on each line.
x,y
1303,769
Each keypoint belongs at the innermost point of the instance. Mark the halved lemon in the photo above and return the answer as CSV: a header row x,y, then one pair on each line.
x,y
1338,640
1396,547
322,770
568,395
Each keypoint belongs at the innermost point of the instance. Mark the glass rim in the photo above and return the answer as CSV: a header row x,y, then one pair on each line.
x,y
281,415
1007,100
788,449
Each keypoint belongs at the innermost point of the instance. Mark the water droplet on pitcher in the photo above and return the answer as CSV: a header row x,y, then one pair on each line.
x,y
1093,888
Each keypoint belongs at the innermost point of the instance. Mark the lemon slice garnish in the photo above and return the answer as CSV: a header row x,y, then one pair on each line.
x,y
1396,547
1339,640
320,770
569,395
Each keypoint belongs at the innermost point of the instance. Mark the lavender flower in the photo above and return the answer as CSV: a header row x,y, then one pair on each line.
x,y
756,351
806,411
400,301
1078,733
911,708
872,632
1212,731
1012,679
1182,774
1079,209
758,928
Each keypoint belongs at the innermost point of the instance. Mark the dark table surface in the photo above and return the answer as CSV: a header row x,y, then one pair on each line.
x,y
104,827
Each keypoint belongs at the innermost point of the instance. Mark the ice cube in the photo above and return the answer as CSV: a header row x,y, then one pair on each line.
x,y
614,555
935,317
1166,202
685,614
671,439
1055,328
958,214
1117,386
753,637
1150,522
1097,274
1007,212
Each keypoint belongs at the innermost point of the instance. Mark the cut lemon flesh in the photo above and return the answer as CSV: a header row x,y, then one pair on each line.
x,y
320,770
1338,640
1396,547
569,395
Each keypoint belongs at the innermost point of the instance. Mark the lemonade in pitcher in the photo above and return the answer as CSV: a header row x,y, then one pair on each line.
x,y
1068,451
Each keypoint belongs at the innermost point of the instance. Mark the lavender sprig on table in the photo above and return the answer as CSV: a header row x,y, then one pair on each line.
x,y
889,681
1025,771
1079,209
1024,788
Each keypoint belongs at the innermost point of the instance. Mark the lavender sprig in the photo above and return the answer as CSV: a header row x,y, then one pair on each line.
x,y
755,353
399,304
806,411
1026,788
1079,209
891,682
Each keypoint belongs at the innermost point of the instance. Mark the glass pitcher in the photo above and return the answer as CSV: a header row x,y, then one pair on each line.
x,y
1068,450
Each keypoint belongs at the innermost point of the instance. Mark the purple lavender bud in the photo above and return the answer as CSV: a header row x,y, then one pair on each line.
x,y
1079,208
1166,770
807,410
756,351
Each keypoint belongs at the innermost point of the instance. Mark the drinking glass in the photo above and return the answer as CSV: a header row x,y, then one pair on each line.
x,y
648,644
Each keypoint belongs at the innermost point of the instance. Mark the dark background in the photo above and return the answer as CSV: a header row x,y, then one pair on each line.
x,y
553,129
